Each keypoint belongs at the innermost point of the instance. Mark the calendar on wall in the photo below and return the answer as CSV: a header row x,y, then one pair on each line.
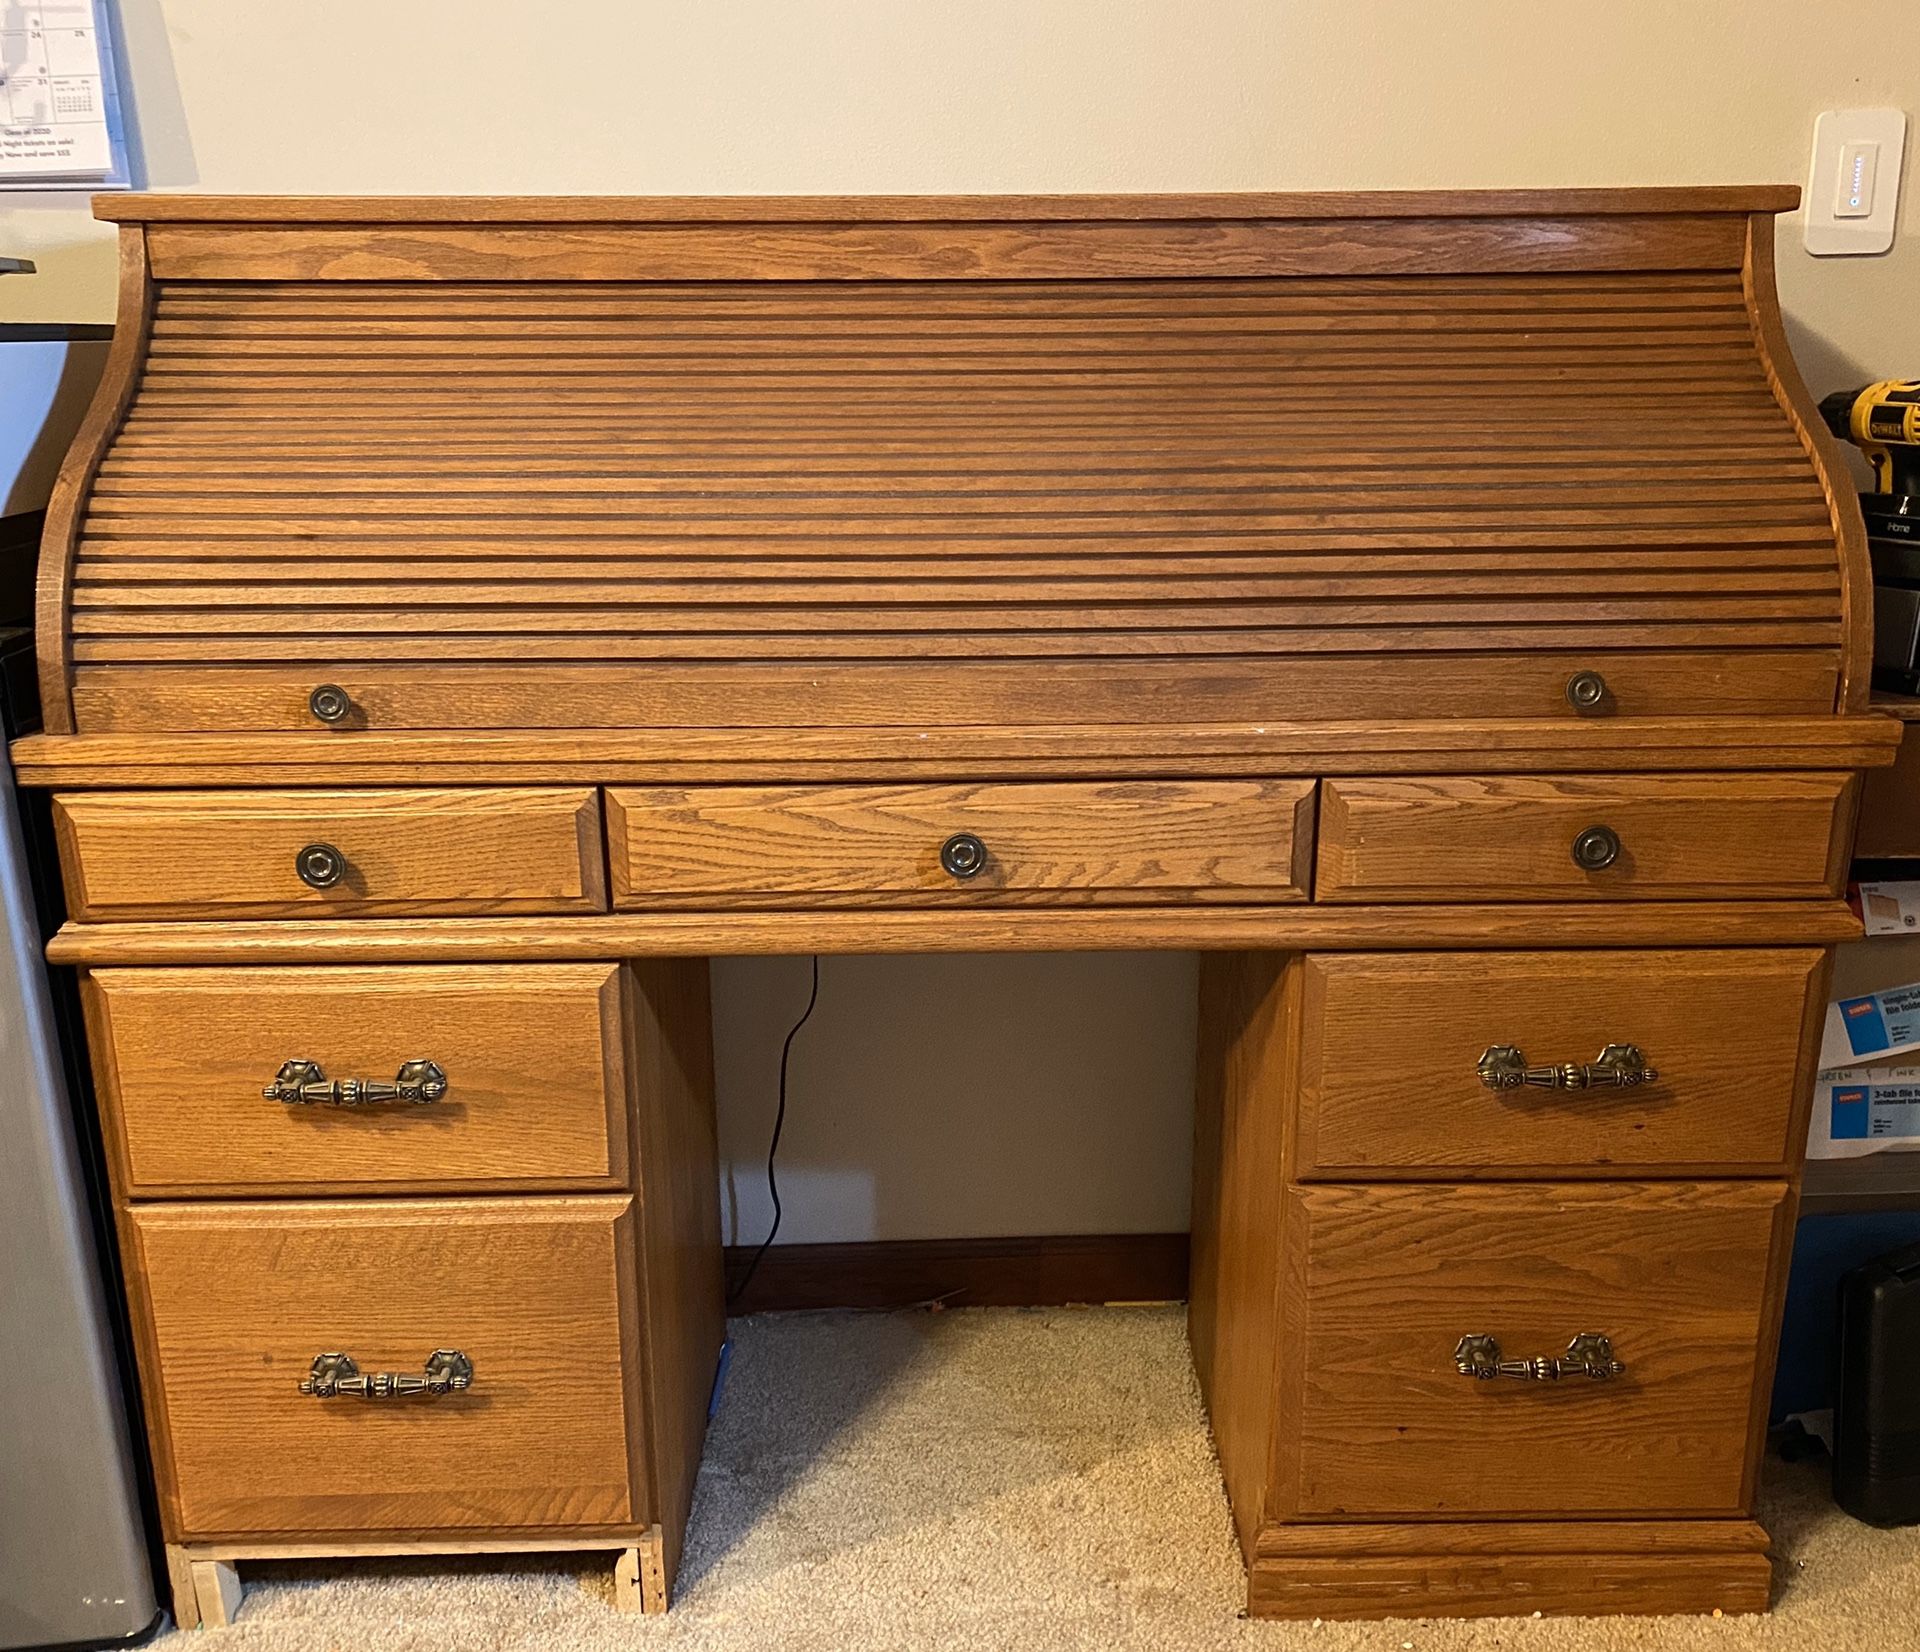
x,y
59,106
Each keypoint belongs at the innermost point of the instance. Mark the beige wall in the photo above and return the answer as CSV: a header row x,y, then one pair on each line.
x,y
998,1095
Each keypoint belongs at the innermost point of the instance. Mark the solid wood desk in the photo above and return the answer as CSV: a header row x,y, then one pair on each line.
x,y
460,618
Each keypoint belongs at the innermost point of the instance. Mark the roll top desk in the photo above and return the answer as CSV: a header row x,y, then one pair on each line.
x,y
461,618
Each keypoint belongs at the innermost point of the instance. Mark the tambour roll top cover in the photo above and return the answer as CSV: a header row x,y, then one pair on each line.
x,y
1151,462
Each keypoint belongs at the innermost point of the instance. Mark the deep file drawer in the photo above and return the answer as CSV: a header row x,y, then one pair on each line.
x,y
422,1078
1375,1418
533,1299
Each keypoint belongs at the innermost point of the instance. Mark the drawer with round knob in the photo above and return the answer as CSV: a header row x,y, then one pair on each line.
x,y
1554,1063
1138,842
332,853
1463,838
1524,1350
390,1367
346,1079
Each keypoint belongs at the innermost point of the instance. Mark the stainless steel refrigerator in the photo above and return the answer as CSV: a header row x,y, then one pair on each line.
x,y
76,1561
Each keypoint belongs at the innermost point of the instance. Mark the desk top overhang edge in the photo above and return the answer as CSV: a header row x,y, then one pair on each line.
x,y
720,209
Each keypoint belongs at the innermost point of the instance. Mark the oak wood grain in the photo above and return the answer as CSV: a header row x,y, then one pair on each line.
x,y
1250,1019
682,1285
1117,750
1006,249
238,1299
1382,1281
1822,448
66,504
1727,680
1695,837
533,1053
1548,924
1141,841
409,852
1390,1045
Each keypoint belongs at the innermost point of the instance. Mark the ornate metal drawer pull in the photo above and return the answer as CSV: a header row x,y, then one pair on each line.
x,y
448,1372
1588,1355
303,1084
1502,1067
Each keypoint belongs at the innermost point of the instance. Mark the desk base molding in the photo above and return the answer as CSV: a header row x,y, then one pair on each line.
x,y
1510,1569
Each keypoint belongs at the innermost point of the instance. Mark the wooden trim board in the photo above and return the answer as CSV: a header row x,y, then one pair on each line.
x,y
1032,1271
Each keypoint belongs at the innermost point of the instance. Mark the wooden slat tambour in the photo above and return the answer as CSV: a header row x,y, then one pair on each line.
x,y
454,452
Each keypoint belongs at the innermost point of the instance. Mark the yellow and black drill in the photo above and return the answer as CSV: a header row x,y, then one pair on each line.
x,y
1883,421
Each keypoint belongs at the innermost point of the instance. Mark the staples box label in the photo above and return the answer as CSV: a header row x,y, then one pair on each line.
x,y
1865,1110
1879,1024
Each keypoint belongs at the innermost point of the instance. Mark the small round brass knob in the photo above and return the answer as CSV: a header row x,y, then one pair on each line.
x,y
330,703
320,865
1597,848
1586,691
963,855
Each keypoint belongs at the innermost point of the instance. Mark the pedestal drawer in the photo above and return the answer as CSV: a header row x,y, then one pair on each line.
x,y
423,1078
1035,842
1577,837
331,853
535,1295
1382,1283
1392,1047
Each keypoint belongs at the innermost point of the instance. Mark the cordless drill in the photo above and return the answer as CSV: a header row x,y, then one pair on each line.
x,y
1883,421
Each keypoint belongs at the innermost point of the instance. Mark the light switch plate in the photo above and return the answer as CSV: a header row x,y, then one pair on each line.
x,y
1853,188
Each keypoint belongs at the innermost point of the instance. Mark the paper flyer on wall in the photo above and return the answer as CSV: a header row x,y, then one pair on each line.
x,y
53,92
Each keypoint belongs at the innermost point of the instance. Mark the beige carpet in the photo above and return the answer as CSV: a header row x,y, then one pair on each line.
x,y
995,1478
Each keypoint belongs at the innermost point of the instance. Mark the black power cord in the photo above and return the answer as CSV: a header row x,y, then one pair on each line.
x,y
773,1146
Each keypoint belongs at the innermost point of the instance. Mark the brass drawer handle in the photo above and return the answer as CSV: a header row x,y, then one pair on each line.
x,y
1502,1067
303,1084
963,855
448,1371
320,865
1588,1355
1597,848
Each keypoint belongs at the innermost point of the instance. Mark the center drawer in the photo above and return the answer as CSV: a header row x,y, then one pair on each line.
x,y
331,853
1392,1047
530,1089
1378,1420
536,1296
1033,842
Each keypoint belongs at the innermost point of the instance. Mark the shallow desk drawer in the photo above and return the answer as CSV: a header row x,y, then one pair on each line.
x,y
1378,1418
533,1295
1392,1048
1130,841
1568,837
494,1074
330,854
